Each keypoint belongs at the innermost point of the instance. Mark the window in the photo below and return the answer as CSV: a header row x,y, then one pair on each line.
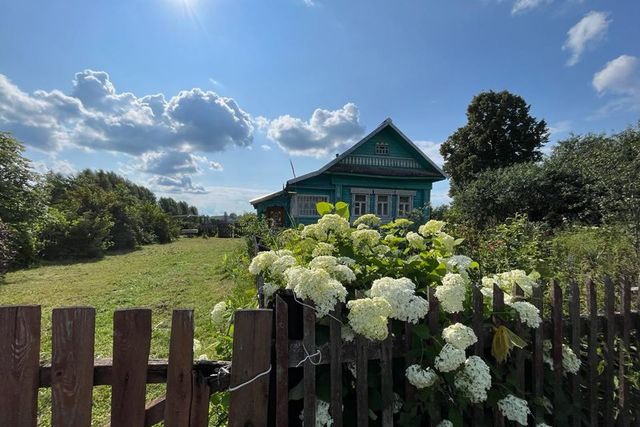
x,y
382,205
360,204
382,149
306,204
405,205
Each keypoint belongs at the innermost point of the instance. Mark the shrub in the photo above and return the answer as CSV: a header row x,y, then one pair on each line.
x,y
6,251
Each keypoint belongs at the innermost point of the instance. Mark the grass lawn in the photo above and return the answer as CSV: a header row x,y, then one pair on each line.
x,y
182,274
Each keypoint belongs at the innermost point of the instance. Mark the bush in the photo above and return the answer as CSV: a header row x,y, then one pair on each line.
x,y
6,251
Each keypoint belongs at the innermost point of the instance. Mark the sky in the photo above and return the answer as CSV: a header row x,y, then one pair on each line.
x,y
209,101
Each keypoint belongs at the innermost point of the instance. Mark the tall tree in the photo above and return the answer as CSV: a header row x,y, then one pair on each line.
x,y
499,132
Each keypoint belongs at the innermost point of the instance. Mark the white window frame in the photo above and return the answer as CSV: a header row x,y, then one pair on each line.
x,y
388,203
409,204
302,203
366,204
382,149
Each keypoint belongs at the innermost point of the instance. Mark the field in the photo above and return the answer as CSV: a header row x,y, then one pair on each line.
x,y
183,274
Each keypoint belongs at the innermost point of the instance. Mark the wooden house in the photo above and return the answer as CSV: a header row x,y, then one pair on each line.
x,y
385,174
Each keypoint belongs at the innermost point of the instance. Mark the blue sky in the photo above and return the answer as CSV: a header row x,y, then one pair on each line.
x,y
208,100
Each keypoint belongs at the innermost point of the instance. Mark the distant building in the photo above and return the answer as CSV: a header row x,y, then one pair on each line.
x,y
385,174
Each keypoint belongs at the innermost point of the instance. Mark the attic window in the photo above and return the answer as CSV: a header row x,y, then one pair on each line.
x,y
382,149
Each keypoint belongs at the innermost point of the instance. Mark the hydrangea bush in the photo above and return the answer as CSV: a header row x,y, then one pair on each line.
x,y
383,273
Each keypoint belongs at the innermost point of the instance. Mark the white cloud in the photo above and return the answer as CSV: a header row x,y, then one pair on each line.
x,y
309,3
96,116
560,127
619,78
266,147
590,29
219,199
432,150
325,132
179,184
216,166
62,167
521,6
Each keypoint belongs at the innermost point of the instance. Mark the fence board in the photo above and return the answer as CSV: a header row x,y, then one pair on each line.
x,y
73,337
609,312
498,307
309,341
386,379
179,379
282,362
199,412
574,380
538,359
625,309
556,340
362,391
154,411
251,357
336,366
19,365
131,344
592,357
523,332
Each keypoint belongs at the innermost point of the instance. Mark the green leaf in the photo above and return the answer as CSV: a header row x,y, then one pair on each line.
x,y
342,209
324,208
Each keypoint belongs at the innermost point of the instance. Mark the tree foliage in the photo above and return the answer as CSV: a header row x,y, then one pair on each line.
x,y
499,132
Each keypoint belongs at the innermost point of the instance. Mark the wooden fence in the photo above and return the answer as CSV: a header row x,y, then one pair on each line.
x,y
73,372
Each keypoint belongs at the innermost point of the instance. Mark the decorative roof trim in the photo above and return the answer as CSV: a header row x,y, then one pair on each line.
x,y
266,197
377,130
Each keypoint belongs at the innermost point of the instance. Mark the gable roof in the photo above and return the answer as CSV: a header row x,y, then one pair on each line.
x,y
383,125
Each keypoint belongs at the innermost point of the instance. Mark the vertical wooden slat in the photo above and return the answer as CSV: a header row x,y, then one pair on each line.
x,y
522,331
131,344
478,327
592,352
199,412
625,397
309,341
362,385
19,365
498,307
609,312
574,380
73,336
179,378
409,390
538,352
336,366
249,404
282,362
386,379
556,340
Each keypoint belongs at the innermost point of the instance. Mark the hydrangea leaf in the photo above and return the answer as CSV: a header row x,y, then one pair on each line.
x,y
324,208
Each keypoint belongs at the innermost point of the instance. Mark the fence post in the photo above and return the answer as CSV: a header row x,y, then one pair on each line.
x,y
249,403
179,380
19,365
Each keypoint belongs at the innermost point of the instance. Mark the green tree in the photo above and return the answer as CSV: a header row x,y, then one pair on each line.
x,y
499,132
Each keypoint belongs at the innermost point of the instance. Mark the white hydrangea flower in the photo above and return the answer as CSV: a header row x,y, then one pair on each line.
x,y
507,279
365,240
400,294
262,261
542,425
445,423
369,220
197,346
347,333
316,285
451,293
313,231
331,265
514,409
415,240
528,313
431,228
362,227
323,248
345,260
368,317
449,359
474,380
458,264
397,403
571,363
219,315
333,224
268,289
420,377
459,336
280,265
381,249
447,242
323,417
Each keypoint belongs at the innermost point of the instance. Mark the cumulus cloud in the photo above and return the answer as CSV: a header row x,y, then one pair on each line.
x,y
96,116
325,131
590,29
178,184
55,165
620,78
521,6
432,150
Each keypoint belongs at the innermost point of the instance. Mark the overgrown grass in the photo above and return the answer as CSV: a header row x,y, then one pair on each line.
x,y
183,274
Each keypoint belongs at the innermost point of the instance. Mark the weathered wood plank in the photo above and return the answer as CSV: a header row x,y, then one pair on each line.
x,y
131,344
574,380
336,366
609,309
592,357
251,358
199,412
386,379
19,359
73,337
154,411
309,340
179,378
282,362
624,391
538,353
362,385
